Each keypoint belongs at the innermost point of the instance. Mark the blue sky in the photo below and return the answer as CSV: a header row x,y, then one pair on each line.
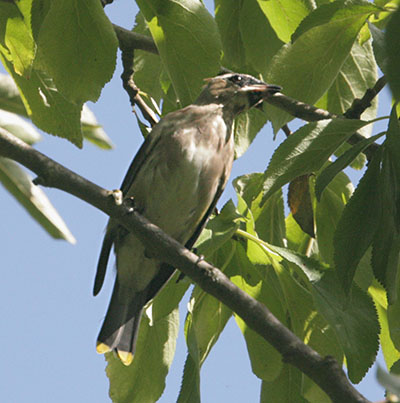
x,y
50,319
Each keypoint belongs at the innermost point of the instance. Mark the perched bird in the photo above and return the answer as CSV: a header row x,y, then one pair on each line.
x,y
175,179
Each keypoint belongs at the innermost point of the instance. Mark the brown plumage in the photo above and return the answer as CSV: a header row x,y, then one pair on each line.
x,y
176,179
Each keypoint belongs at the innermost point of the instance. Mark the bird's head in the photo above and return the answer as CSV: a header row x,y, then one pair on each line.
x,y
236,92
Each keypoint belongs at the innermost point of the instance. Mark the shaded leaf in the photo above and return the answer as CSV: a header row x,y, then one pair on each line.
x,y
354,322
306,150
92,131
261,283
260,41
205,321
219,229
358,224
326,176
389,381
328,211
386,242
269,217
247,126
227,17
286,388
357,75
10,99
392,46
299,200
33,199
19,127
379,46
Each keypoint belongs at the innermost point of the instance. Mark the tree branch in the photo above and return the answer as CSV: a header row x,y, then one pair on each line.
x,y
325,372
133,40
360,105
127,50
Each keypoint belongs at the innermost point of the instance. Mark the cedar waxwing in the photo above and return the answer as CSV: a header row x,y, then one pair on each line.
x,y
175,180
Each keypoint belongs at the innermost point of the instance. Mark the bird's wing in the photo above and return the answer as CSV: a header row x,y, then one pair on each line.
x,y
109,238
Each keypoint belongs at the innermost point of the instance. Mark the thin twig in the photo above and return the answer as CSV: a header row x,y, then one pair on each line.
x,y
325,372
360,105
132,90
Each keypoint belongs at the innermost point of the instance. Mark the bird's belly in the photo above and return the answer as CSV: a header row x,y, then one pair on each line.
x,y
173,194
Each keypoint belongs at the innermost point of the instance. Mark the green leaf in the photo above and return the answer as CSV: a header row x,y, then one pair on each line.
x,y
19,127
297,240
187,38
260,41
190,387
285,15
259,282
144,380
219,230
247,126
393,315
358,224
205,321
86,60
327,175
227,17
286,388
379,46
309,66
16,41
357,75
328,212
354,322
309,325
33,199
48,109
392,46
10,100
386,243
306,150
92,131
390,353
147,66
269,217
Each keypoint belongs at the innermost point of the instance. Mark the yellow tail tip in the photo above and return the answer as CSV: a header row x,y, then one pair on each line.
x,y
102,348
125,356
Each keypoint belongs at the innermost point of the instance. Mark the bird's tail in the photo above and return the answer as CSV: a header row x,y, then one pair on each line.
x,y
121,324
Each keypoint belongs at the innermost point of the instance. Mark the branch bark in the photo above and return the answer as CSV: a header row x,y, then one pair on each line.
x,y
324,371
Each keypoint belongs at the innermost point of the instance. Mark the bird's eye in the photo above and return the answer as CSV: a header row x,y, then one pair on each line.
x,y
236,79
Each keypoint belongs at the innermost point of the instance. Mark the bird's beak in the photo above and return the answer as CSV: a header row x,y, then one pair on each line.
x,y
263,88
257,92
